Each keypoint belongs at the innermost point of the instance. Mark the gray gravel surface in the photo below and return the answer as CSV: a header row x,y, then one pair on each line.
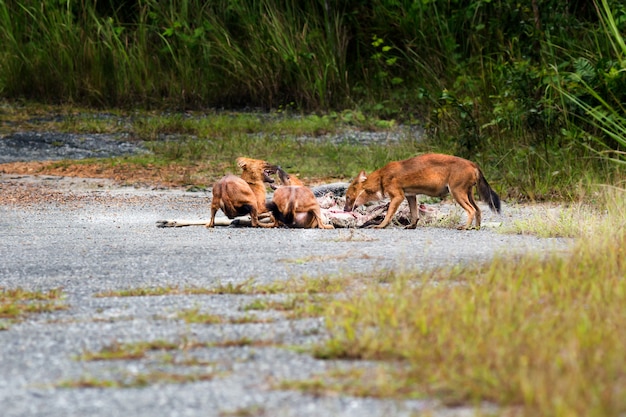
x,y
31,146
90,236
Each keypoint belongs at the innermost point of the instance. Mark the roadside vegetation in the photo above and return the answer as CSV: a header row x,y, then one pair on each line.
x,y
535,334
197,149
18,303
539,333
531,91
248,287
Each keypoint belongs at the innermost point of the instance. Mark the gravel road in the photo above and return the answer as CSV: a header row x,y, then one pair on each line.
x,y
32,146
90,236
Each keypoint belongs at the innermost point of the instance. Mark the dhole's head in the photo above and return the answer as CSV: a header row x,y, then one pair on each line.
x,y
256,170
357,194
287,179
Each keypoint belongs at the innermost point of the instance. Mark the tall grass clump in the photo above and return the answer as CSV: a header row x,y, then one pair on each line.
x,y
65,52
542,333
185,53
530,90
595,89
288,51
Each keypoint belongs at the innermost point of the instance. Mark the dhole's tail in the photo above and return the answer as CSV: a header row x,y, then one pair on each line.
x,y
487,194
273,208
290,213
287,218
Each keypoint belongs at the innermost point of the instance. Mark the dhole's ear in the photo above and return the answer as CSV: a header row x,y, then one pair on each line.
x,y
362,176
241,162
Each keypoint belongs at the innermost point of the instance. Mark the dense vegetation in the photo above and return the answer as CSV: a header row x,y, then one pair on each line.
x,y
532,90
528,88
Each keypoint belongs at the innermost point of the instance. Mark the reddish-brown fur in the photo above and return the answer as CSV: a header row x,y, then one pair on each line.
x,y
294,205
255,173
430,174
238,196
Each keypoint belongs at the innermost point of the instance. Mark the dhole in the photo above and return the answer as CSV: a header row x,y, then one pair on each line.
x,y
238,196
431,174
294,205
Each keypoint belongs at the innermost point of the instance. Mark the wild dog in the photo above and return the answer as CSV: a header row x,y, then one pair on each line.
x,y
239,196
294,205
256,173
431,174
287,179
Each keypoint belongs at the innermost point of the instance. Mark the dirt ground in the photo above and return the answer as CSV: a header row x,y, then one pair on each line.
x,y
166,176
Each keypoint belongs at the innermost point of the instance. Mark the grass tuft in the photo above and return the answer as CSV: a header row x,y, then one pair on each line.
x,y
541,332
324,284
569,222
130,351
194,315
138,381
18,303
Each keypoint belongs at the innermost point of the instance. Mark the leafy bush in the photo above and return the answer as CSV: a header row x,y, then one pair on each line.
x,y
489,79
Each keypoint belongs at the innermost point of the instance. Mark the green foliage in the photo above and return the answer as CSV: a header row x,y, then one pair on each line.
x,y
594,88
494,80
183,53
538,334
17,303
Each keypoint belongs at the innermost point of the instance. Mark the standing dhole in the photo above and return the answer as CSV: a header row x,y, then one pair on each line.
x,y
431,174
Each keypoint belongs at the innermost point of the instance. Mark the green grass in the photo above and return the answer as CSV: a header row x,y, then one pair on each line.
x,y
133,351
295,307
241,342
542,333
196,149
524,91
537,334
566,176
244,287
304,285
139,380
193,315
558,221
18,303
145,125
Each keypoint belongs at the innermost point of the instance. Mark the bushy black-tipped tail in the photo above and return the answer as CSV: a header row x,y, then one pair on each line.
x,y
286,218
487,194
273,208
290,215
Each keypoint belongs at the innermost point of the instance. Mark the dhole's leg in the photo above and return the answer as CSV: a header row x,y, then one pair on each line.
x,y
254,219
413,209
393,207
214,207
216,201
463,199
473,203
273,222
